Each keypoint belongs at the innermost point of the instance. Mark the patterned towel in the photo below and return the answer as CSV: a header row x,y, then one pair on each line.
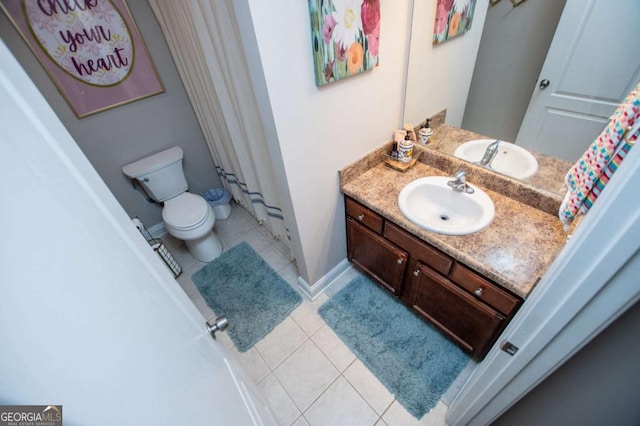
x,y
589,175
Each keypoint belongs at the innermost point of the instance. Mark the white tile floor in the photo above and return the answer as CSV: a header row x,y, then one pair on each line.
x,y
308,375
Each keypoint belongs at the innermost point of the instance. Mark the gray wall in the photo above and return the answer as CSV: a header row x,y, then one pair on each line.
x,y
600,385
121,135
512,51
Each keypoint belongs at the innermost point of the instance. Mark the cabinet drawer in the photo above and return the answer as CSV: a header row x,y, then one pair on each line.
x,y
419,250
364,215
484,290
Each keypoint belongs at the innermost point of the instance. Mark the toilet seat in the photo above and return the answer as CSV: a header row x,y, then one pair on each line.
x,y
186,212
190,218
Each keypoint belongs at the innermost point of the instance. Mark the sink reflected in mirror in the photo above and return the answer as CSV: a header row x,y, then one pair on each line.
x,y
510,159
520,75
433,205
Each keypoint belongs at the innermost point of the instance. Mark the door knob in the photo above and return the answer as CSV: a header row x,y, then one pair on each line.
x,y
218,324
544,83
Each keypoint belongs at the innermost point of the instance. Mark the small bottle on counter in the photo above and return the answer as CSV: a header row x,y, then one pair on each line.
x,y
405,150
425,133
394,151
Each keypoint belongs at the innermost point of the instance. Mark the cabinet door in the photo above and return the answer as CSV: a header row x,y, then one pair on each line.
x,y
469,322
382,260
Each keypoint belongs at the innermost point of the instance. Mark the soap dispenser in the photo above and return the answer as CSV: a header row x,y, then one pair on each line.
x,y
425,133
405,150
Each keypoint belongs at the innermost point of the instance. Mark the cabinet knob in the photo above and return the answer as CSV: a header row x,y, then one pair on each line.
x,y
361,217
400,260
479,291
416,272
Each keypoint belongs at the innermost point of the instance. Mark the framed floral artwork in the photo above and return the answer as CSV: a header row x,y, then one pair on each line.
x,y
91,50
345,36
453,18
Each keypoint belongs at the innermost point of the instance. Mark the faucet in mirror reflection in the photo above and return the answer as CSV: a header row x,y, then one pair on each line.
x,y
490,154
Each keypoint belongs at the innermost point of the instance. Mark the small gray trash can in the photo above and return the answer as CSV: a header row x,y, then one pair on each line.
x,y
219,199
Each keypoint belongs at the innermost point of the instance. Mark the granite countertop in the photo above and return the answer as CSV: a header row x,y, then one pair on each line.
x,y
514,251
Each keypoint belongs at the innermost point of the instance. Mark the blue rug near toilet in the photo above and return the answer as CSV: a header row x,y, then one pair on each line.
x,y
240,285
412,359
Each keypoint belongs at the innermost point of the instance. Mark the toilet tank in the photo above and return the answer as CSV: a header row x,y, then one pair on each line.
x,y
160,174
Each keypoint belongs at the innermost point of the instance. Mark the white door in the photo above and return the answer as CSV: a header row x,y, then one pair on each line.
x,y
89,317
592,64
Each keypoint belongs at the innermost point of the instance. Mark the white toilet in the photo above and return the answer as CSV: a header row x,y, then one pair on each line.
x,y
186,216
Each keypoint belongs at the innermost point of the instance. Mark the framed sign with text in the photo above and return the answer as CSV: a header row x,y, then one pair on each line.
x,y
91,49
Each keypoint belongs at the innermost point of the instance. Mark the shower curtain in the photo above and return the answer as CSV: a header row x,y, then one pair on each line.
x,y
204,40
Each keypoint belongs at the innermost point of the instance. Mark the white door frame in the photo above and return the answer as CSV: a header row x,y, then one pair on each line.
x,y
584,290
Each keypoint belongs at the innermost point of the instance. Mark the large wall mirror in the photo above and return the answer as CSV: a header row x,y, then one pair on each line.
x,y
540,75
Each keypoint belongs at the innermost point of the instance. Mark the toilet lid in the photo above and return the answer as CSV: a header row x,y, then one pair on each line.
x,y
185,211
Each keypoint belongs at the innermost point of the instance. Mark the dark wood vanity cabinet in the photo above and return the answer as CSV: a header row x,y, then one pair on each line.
x,y
464,305
381,260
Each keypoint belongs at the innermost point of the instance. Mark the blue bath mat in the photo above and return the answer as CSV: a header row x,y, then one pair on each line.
x,y
243,287
412,359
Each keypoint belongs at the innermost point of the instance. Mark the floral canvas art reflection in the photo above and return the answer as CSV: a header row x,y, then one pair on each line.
x,y
453,18
345,36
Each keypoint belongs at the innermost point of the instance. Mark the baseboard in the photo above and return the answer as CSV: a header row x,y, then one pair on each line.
x,y
332,279
329,279
158,230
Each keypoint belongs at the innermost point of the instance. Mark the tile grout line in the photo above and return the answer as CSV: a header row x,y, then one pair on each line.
x,y
286,391
321,393
288,356
340,374
362,396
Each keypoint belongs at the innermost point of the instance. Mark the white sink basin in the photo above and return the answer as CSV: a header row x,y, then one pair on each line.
x,y
433,205
510,160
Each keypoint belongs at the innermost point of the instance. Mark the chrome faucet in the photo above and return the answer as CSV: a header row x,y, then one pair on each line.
x,y
490,153
460,182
